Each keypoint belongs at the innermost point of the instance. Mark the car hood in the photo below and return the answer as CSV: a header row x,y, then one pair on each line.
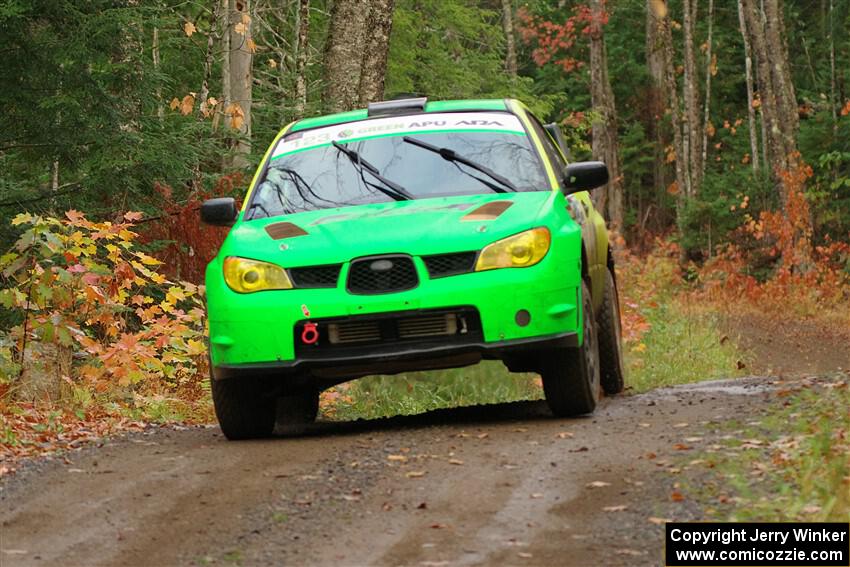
x,y
420,227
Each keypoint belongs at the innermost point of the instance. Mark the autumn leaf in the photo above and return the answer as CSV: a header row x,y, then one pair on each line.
x,y
189,28
240,28
187,105
175,103
271,63
252,47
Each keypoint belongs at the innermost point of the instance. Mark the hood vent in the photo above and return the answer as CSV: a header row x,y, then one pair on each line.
x,y
490,211
281,230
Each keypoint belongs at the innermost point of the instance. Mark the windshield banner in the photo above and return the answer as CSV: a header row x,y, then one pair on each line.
x,y
399,126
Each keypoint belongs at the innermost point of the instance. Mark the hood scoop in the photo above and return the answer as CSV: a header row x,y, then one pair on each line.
x,y
281,230
489,211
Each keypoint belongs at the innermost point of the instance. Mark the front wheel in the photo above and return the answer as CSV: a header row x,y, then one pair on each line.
x,y
571,375
245,407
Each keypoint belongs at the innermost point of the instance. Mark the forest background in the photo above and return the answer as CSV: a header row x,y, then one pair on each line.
x,y
726,125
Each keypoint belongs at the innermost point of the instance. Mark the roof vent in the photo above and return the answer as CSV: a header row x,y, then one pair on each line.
x,y
397,107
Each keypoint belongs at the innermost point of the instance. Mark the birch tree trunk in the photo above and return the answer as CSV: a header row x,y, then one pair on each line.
x,y
605,142
751,109
241,77
510,40
344,54
301,57
377,45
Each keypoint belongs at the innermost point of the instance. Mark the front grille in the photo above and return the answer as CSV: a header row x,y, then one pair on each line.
x,y
382,274
315,276
433,326
442,265
385,332
342,333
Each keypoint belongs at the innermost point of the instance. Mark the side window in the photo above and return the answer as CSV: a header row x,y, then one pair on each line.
x,y
548,144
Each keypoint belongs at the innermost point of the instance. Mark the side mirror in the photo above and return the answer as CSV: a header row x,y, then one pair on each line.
x,y
584,176
558,136
219,212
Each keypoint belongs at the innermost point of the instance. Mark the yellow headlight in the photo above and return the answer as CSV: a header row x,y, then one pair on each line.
x,y
517,251
247,276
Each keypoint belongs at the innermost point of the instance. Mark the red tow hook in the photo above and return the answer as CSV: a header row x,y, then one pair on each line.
x,y
310,334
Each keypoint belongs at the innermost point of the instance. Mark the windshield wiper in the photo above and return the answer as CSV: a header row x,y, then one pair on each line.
x,y
452,156
392,189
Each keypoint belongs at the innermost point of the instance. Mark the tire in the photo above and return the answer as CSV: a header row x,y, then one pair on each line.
x,y
297,408
571,375
609,332
245,407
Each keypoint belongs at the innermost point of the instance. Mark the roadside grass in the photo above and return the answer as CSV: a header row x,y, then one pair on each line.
x,y
417,392
683,344
793,465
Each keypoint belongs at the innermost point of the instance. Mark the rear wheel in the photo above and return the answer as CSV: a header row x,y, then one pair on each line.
x,y
610,338
571,375
245,407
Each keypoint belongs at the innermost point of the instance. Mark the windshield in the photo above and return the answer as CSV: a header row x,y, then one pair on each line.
x,y
371,162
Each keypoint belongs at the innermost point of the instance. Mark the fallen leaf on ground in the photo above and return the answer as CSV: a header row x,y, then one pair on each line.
x,y
597,484
564,435
414,474
525,555
632,552
455,462
437,526
677,496
397,458
422,506
680,425
658,521
619,508
537,495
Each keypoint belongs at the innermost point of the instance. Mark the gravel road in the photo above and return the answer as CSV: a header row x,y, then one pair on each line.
x,y
502,484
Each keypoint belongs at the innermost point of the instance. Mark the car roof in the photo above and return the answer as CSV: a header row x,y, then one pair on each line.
x,y
478,105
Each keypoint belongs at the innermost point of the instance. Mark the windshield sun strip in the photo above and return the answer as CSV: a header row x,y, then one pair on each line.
x,y
400,134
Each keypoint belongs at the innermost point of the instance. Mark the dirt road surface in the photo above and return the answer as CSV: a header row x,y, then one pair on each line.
x,y
504,484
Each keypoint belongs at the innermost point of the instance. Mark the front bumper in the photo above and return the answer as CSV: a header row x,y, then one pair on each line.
x,y
408,359
256,332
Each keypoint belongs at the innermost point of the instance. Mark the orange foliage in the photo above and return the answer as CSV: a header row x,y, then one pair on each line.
x,y
190,244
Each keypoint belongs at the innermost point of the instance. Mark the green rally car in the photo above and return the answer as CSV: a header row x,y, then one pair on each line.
x,y
411,235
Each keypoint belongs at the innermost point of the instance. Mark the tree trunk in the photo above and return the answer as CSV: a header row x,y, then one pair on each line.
x,y
226,97
301,57
709,70
670,83
691,123
751,109
605,143
377,45
510,41
657,102
241,77
344,54
779,109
